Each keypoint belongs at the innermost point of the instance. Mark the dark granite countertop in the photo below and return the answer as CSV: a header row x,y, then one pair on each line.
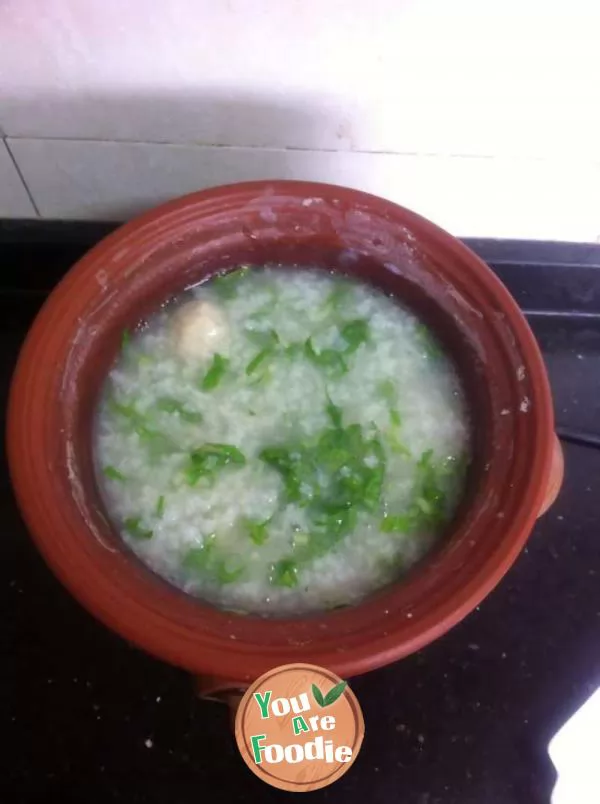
x,y
465,721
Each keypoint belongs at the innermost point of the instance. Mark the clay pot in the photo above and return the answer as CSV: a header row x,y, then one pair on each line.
x,y
76,336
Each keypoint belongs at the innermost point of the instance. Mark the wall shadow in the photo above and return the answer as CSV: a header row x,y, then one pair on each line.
x,y
93,162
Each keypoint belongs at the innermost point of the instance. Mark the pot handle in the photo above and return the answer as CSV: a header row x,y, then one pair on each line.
x,y
557,473
224,690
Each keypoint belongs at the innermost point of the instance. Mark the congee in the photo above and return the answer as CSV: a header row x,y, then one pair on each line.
x,y
280,441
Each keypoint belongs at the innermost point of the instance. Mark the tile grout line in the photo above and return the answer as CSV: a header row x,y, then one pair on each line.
x,y
20,174
227,146
434,155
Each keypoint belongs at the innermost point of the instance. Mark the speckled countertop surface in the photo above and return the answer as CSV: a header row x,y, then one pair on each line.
x,y
465,721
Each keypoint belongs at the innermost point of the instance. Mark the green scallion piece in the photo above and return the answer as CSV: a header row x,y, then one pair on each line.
x,y
285,573
114,474
215,373
226,285
170,405
133,526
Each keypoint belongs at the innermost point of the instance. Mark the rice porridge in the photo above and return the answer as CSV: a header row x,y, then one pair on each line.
x,y
279,441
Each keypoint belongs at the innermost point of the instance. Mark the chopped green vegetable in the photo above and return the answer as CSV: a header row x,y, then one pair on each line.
x,y
356,465
397,523
160,506
269,343
285,573
206,561
395,418
257,531
227,285
294,350
333,361
355,333
334,412
114,474
170,405
191,416
343,468
340,473
330,527
454,466
157,442
133,526
301,539
256,362
430,489
310,351
373,487
396,444
329,360
428,507
297,472
197,558
209,459
125,409
387,391
226,575
125,339
424,505
262,377
215,373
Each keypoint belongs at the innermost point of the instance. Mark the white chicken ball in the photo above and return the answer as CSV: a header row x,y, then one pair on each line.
x,y
199,329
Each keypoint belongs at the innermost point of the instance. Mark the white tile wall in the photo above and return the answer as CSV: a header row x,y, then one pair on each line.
x,y
517,77
14,201
468,196
398,97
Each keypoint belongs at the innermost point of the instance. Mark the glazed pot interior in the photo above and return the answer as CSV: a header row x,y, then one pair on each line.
x,y
138,268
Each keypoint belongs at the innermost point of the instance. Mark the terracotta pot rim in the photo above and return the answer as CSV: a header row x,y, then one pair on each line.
x,y
176,641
